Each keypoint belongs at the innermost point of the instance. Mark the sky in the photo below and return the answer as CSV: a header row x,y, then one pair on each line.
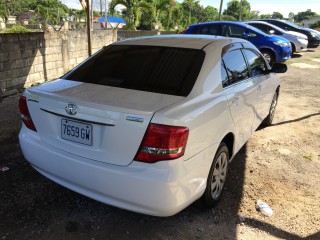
x,y
264,6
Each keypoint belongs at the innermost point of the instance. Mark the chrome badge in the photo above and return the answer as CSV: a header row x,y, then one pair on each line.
x,y
71,109
134,119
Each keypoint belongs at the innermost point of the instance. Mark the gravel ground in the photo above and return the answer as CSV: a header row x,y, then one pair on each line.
x,y
279,165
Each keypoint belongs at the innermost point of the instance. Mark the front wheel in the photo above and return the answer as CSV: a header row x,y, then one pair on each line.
x,y
269,56
268,120
217,177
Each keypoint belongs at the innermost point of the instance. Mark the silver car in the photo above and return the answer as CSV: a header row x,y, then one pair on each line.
x,y
299,41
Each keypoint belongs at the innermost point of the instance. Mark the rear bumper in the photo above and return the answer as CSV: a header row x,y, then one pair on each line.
x,y
161,189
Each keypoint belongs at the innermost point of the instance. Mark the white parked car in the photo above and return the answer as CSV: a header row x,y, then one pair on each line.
x,y
299,41
150,124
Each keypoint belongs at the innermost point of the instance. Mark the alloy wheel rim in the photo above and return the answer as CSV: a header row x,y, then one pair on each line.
x,y
267,57
219,175
273,107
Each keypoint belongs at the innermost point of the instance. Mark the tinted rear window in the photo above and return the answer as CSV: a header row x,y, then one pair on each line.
x,y
147,68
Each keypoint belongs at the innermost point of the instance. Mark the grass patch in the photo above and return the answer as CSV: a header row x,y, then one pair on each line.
x,y
308,156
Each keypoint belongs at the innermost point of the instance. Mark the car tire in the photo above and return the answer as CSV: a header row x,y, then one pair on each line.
x,y
293,47
217,177
269,56
268,120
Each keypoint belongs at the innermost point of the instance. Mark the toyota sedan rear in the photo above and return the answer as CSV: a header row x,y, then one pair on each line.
x,y
150,124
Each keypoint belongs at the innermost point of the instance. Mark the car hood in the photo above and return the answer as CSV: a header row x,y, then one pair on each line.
x,y
296,34
274,38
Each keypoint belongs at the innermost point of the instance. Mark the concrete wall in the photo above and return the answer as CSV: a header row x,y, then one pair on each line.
x,y
31,58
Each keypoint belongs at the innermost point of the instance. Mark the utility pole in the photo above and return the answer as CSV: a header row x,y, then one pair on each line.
x,y
221,2
240,14
86,8
91,15
101,8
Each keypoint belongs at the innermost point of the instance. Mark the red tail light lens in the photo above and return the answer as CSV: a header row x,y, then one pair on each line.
x,y
25,115
162,142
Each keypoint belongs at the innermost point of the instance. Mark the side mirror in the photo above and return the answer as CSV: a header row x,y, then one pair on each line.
x,y
271,31
279,68
245,36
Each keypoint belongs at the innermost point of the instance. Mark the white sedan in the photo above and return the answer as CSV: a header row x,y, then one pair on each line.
x,y
299,41
150,124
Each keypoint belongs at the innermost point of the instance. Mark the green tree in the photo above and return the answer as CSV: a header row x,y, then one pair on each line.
x,y
315,25
291,15
3,12
134,11
305,15
228,18
277,15
254,14
265,16
233,9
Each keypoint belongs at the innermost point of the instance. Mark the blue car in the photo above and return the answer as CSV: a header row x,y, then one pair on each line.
x,y
273,48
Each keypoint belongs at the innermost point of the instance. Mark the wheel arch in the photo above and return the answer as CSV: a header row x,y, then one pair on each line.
x,y
229,141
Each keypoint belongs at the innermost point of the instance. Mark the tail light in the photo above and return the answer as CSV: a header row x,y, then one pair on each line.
x,y
25,115
162,142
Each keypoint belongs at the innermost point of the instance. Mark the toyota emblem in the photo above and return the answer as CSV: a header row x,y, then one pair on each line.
x,y
71,109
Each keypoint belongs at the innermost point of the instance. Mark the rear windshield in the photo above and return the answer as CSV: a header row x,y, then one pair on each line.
x,y
156,69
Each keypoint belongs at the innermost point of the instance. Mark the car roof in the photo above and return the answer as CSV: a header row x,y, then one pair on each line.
x,y
268,24
178,40
218,22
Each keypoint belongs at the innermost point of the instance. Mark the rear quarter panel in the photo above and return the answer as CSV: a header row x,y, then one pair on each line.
x,y
205,111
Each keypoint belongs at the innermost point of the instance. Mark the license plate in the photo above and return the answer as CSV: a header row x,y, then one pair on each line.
x,y
76,131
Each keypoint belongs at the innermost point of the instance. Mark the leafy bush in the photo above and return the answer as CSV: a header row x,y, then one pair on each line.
x,y
17,29
315,25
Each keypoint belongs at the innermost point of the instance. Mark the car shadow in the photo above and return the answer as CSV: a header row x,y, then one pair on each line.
x,y
33,207
296,55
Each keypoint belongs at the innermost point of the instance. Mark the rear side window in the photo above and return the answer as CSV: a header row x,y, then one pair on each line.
x,y
236,66
164,70
262,27
233,31
206,30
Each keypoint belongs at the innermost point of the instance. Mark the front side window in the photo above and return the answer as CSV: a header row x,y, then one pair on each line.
x,y
236,66
156,69
256,63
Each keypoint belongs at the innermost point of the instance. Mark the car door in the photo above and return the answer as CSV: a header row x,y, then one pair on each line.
x,y
263,80
241,93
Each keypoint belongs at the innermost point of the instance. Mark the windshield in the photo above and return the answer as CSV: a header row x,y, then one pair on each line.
x,y
156,69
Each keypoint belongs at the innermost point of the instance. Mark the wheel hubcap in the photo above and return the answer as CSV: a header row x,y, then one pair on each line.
x,y
267,57
219,175
273,106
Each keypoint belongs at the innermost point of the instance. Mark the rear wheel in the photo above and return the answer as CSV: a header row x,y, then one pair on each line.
x,y
217,177
269,56
268,120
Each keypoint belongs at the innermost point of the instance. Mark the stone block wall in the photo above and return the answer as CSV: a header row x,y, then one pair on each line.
x,y
31,58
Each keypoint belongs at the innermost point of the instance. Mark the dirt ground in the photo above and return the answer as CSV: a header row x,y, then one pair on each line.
x,y
279,165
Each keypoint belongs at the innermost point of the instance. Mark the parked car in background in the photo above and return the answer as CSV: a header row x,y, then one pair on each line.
x,y
273,48
313,38
150,124
314,31
298,41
